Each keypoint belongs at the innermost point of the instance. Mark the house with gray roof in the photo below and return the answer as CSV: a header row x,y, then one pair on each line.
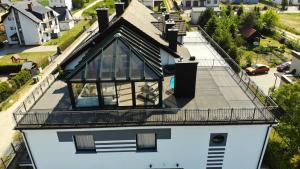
x,y
29,23
65,18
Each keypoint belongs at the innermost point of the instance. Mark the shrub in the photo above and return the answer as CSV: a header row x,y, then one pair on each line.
x,y
21,78
5,91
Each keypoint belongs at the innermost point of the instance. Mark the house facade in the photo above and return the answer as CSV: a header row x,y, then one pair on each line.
x,y
61,3
29,23
200,3
122,105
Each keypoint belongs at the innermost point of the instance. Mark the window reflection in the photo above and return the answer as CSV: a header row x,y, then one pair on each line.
x,y
85,95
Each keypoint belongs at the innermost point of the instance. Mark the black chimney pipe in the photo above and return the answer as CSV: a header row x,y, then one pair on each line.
x,y
167,16
126,3
119,8
168,24
172,38
102,14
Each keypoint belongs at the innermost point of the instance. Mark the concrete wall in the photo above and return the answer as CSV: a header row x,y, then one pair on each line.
x,y
295,65
188,147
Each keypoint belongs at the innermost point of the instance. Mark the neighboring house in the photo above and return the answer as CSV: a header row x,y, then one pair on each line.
x,y
4,6
240,1
200,3
294,71
65,18
61,3
251,35
29,23
290,2
167,20
115,108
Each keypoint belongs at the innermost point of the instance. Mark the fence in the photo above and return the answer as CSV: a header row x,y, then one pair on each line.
x,y
144,117
15,150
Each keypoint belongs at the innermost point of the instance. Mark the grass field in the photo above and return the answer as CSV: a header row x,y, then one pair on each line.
x,y
69,36
41,58
290,22
110,4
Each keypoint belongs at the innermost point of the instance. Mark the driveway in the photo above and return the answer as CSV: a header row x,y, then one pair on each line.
x,y
266,81
20,49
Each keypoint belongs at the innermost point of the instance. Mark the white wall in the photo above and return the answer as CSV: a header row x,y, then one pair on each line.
x,y
188,147
66,25
61,3
8,23
30,30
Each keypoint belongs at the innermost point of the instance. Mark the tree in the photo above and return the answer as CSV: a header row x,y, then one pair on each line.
x,y
223,38
251,19
288,98
211,25
240,11
270,19
205,16
284,4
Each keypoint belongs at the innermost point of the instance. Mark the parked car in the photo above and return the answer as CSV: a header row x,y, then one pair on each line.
x,y
257,69
284,66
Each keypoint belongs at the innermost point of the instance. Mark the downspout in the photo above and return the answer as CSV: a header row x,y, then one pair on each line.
x,y
28,150
263,150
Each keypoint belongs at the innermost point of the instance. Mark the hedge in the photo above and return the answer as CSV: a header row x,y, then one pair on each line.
x,y
10,68
21,78
5,91
8,88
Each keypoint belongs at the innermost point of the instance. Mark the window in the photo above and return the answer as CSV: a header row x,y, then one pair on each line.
x,y
146,142
12,28
218,139
208,1
84,143
215,1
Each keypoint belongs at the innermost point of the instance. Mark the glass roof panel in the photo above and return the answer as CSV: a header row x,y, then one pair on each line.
x,y
136,67
79,75
122,61
107,62
92,68
150,74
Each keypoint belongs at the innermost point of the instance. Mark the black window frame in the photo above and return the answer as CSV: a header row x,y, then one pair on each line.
x,y
154,149
78,150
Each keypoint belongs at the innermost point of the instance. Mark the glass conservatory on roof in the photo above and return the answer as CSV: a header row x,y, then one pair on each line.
x,y
115,76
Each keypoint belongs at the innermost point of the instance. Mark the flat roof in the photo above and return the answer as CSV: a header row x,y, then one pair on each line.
x,y
215,88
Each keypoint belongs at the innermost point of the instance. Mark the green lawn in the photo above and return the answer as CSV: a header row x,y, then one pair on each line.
x,y
290,22
91,12
41,58
86,3
69,36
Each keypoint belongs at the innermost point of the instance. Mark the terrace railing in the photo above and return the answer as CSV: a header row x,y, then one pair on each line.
x,y
259,98
137,117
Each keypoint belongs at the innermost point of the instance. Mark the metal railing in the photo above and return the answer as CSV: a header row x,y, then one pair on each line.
x,y
7,161
242,78
137,117
35,95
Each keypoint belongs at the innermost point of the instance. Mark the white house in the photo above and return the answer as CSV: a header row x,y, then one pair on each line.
x,y
61,3
65,18
120,105
29,23
200,3
4,6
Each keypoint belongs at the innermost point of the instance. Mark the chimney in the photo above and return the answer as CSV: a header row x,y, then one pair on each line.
x,y
172,38
119,8
126,3
29,5
102,14
168,24
166,16
163,9
185,79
